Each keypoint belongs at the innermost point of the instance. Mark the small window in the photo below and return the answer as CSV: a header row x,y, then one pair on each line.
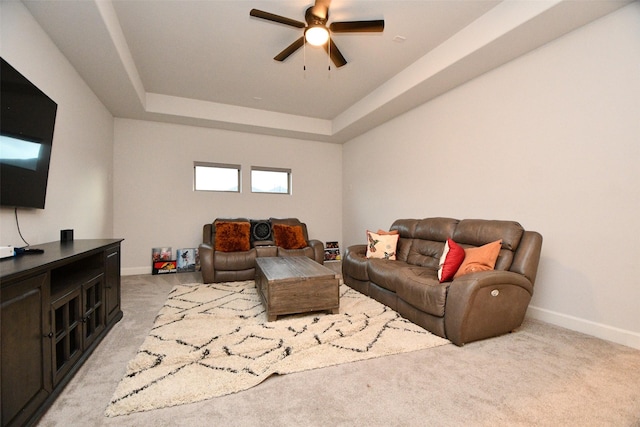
x,y
270,180
216,177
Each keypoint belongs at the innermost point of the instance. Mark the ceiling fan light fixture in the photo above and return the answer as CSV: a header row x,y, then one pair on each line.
x,y
316,36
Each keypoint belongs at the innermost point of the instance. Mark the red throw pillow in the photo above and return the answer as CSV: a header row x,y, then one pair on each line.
x,y
289,236
233,236
450,261
480,259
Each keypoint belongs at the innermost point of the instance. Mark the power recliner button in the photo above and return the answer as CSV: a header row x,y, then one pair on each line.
x,y
495,293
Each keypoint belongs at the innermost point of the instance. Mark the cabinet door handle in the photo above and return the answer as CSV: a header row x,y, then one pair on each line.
x,y
49,335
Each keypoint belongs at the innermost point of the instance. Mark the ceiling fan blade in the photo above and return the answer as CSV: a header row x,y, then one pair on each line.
x,y
335,54
290,49
375,26
276,18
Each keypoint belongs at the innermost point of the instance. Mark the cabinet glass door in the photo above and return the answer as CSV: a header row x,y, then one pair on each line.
x,y
67,330
93,315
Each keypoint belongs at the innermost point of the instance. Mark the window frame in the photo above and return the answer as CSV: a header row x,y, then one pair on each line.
x,y
272,169
237,168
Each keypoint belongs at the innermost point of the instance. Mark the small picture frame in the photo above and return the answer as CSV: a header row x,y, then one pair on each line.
x,y
161,254
186,259
332,251
164,267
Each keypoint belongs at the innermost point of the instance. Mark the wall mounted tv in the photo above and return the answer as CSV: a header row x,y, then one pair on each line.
x,y
27,120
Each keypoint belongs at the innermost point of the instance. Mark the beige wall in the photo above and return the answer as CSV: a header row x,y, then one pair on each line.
x,y
155,204
79,192
551,140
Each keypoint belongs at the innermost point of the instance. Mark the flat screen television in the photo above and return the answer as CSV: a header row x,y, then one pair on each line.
x,y
27,121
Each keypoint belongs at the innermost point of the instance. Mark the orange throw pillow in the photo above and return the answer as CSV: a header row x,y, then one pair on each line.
x,y
289,236
233,236
384,232
479,259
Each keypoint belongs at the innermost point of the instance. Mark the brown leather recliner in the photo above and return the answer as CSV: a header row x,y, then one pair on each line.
x,y
217,266
473,306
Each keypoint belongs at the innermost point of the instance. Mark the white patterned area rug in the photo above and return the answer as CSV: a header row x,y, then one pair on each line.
x,y
212,340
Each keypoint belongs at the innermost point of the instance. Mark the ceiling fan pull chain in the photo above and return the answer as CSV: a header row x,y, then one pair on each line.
x,y
329,58
304,59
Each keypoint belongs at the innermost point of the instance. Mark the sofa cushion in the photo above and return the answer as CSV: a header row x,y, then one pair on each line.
x,y
436,229
232,236
450,261
306,251
289,236
384,273
381,245
479,259
235,261
425,253
478,232
420,288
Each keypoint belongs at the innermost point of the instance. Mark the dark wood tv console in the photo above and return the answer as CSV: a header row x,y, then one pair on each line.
x,y
55,308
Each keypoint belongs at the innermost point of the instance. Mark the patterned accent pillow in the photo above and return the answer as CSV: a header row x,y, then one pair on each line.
x,y
381,245
450,261
289,236
480,259
232,236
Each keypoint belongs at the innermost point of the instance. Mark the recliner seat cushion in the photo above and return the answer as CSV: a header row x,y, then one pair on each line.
x,y
307,251
384,273
420,288
234,261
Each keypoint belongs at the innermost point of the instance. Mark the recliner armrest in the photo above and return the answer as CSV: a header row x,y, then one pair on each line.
x,y
360,250
354,262
318,250
206,262
485,304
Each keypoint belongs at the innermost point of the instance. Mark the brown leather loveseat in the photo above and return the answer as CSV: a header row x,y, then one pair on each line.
x,y
472,306
230,246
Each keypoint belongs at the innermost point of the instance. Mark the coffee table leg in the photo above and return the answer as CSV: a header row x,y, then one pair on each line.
x,y
271,317
335,311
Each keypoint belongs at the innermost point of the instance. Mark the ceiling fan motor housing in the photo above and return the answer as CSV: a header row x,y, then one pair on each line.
x,y
314,20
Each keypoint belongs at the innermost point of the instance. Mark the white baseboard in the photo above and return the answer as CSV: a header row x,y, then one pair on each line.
x,y
133,271
599,330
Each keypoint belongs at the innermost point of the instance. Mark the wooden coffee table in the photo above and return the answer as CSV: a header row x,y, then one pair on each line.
x,y
289,285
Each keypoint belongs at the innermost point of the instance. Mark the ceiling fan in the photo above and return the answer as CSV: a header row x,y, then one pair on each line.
x,y
316,31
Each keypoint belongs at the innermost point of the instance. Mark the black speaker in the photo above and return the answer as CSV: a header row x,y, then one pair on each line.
x,y
66,235
260,230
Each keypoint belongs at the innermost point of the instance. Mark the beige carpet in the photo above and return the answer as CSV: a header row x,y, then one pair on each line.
x,y
214,340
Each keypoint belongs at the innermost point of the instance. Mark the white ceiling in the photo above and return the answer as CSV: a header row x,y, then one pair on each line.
x,y
208,63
